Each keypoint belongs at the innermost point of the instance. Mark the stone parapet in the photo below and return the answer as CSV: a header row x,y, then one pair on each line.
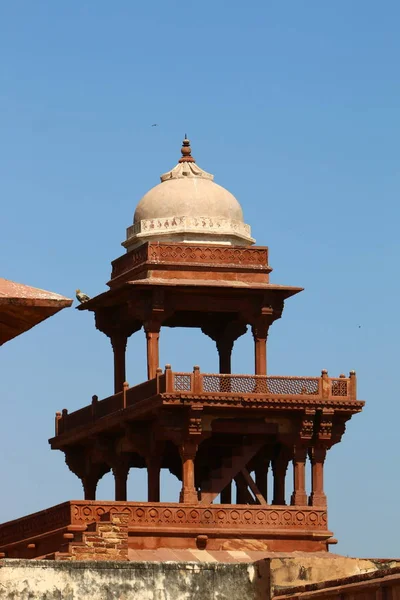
x,y
80,528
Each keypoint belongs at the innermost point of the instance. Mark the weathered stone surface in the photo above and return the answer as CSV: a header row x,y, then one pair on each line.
x,y
49,580
300,568
383,583
92,580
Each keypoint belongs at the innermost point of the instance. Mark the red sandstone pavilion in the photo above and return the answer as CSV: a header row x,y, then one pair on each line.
x,y
190,262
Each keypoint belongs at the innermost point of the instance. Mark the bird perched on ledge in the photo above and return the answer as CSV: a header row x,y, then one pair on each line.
x,y
81,297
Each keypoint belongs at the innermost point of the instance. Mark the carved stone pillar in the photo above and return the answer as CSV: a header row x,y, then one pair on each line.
x,y
89,483
261,473
317,458
241,491
188,452
243,495
226,494
118,342
279,468
299,495
224,333
152,337
80,461
153,478
121,471
225,347
260,334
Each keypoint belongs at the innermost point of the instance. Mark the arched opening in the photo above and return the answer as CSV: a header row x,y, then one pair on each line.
x,y
184,347
106,487
243,354
170,486
137,485
136,361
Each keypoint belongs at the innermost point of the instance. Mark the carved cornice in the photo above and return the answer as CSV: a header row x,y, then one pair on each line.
x,y
260,402
212,256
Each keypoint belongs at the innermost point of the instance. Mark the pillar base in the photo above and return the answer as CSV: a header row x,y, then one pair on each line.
x,y
317,499
299,499
188,497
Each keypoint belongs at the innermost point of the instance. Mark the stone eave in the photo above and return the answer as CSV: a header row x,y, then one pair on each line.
x,y
22,307
107,297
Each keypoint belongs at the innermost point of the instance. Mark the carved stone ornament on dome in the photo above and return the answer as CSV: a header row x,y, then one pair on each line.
x,y
189,207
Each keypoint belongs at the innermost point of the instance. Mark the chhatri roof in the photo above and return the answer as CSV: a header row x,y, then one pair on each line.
x,y
22,307
188,206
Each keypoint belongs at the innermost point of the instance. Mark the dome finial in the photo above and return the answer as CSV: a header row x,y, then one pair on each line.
x,y
186,151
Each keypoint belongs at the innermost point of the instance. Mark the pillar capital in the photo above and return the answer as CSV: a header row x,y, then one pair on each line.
x,y
118,340
260,331
88,471
224,334
300,452
317,454
188,449
152,328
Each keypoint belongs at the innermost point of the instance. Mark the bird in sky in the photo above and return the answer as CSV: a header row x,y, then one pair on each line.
x,y
155,125
81,297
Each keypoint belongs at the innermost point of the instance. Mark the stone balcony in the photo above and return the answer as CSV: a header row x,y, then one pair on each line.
x,y
212,432
213,390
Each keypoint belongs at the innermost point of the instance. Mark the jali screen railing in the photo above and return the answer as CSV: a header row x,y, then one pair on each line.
x,y
323,387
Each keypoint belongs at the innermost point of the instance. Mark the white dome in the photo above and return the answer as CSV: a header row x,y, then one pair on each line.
x,y
194,196
188,206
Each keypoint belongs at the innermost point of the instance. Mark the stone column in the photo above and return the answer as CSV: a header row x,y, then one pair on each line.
x,y
152,337
89,483
299,496
153,478
225,347
90,476
260,334
226,494
279,467
121,472
118,342
224,334
241,491
261,473
317,458
188,452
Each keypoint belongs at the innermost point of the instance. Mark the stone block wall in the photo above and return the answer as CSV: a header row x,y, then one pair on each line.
x,y
106,540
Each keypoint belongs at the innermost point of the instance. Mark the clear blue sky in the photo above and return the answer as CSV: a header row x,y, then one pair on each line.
x,y
294,106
